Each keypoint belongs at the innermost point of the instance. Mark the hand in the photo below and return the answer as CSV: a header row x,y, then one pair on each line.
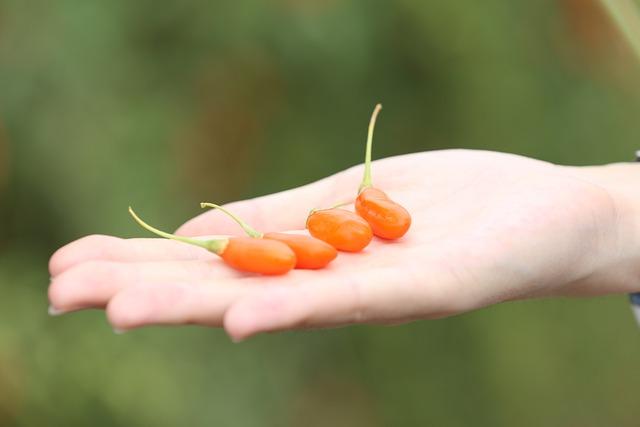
x,y
487,228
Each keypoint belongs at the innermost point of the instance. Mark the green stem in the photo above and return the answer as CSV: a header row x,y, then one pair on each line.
x,y
246,227
625,15
336,206
340,205
366,180
216,246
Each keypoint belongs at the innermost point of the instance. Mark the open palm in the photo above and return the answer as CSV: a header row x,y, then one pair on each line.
x,y
487,227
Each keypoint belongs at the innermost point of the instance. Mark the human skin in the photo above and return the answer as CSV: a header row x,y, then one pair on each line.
x,y
487,228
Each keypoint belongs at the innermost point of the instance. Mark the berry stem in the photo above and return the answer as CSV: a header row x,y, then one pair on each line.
x,y
341,205
252,232
366,180
216,246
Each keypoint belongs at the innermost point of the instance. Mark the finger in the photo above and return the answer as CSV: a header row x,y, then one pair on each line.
x,y
92,284
286,210
377,296
177,303
108,248
299,300
260,304
200,302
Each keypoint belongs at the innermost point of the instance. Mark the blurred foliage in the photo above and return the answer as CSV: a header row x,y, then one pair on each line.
x,y
166,103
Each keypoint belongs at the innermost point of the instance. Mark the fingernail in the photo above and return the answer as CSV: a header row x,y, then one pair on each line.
x,y
236,340
119,331
55,311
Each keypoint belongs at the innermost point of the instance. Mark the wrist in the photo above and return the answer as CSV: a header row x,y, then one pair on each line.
x,y
620,269
621,180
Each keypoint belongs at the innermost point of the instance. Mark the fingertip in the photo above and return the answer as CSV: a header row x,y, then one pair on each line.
x,y
239,324
53,311
85,248
267,311
124,311
58,295
55,264
62,259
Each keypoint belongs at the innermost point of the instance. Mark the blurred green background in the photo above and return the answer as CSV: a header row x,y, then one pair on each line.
x,y
163,104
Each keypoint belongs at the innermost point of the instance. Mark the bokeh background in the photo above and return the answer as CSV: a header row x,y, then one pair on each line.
x,y
164,104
